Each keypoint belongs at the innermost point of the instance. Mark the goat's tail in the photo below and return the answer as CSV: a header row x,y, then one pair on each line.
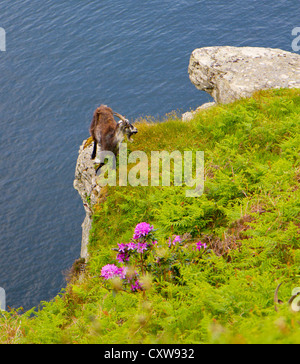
x,y
94,150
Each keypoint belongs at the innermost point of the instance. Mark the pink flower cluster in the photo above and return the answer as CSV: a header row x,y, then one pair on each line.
x,y
112,271
141,230
140,249
126,249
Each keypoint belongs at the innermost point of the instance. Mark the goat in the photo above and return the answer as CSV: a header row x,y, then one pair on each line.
x,y
107,133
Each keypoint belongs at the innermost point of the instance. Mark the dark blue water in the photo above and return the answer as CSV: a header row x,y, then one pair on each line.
x,y
62,60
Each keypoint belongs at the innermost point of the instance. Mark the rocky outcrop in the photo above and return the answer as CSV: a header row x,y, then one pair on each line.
x,y
230,73
187,116
85,184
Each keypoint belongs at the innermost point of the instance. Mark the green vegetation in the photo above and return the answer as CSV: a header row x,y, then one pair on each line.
x,y
248,217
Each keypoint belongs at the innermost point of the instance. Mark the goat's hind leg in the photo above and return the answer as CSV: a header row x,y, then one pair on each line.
x,y
94,150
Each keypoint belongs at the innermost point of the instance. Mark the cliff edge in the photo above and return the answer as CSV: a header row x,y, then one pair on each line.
x,y
85,184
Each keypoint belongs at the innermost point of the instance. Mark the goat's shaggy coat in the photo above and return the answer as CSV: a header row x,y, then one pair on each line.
x,y
107,133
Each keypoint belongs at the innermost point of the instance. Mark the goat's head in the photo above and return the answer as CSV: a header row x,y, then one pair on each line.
x,y
126,127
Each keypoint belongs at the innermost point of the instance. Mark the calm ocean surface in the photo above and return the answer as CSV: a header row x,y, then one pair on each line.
x,y
62,60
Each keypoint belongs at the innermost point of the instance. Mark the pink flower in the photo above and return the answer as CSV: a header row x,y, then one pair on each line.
x,y
131,246
142,229
122,272
141,247
122,247
111,271
124,251
136,287
177,239
122,257
201,245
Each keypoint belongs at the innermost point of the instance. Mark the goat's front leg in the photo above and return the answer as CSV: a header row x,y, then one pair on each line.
x,y
94,150
99,167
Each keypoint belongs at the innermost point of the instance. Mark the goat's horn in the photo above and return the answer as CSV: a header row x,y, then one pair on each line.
x,y
119,116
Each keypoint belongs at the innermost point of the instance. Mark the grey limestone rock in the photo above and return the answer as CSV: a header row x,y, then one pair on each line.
x,y
190,114
230,73
85,184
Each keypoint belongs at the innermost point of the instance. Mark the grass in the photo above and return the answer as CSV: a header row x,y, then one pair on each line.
x,y
249,217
